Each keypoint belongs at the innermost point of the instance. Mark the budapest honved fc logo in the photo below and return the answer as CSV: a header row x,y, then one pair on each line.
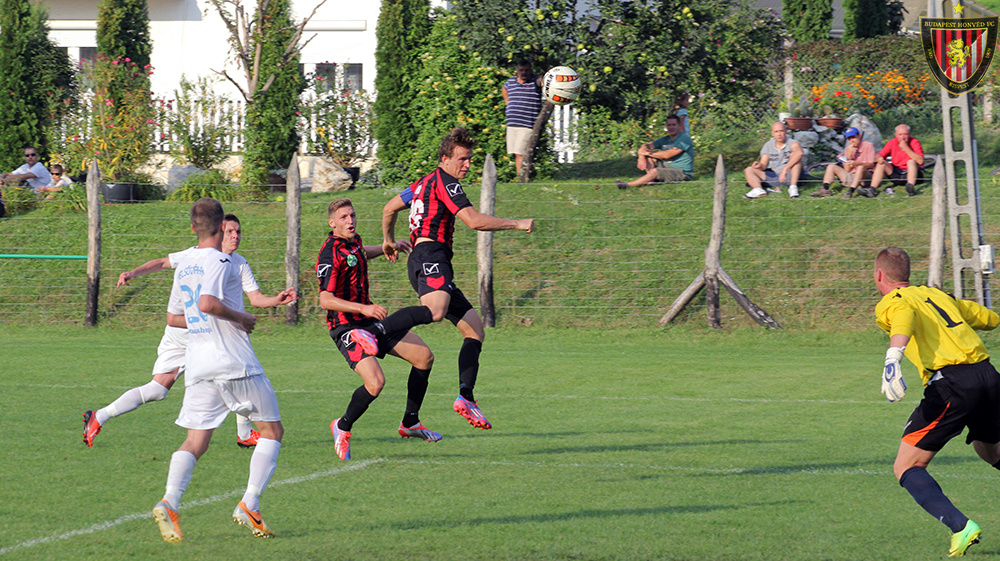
x,y
958,51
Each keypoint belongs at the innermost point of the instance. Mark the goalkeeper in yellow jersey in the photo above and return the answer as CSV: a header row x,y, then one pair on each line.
x,y
937,333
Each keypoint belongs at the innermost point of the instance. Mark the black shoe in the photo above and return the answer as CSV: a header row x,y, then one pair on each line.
x,y
621,184
869,192
911,191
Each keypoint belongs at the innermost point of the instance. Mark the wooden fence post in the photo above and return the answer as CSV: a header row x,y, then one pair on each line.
x,y
293,235
484,243
93,243
536,133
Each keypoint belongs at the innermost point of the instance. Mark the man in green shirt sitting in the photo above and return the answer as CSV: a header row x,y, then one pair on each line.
x,y
669,159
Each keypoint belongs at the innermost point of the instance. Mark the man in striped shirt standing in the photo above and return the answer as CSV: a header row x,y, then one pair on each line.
x,y
523,96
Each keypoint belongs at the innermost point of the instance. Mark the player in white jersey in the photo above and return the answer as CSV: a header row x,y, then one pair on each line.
x,y
222,373
170,353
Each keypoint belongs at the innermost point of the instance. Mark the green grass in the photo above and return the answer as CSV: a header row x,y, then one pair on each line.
x,y
608,445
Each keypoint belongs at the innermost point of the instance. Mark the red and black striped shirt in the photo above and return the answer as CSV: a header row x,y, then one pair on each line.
x,y
342,270
437,198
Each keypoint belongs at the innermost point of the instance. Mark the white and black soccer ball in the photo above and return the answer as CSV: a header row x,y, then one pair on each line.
x,y
561,85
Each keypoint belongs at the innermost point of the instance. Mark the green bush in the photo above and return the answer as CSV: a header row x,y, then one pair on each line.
x,y
210,183
19,199
202,124
270,136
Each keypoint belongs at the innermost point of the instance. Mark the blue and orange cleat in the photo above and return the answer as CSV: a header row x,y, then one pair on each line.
x,y
341,441
470,410
419,431
365,340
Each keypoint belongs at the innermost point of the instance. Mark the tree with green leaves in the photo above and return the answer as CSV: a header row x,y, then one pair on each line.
x,y
267,46
808,20
865,18
123,35
23,107
403,27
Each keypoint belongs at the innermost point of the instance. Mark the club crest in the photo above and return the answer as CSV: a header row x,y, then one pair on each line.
x,y
958,51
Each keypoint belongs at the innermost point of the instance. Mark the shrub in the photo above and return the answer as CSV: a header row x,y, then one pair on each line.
x,y
202,124
19,199
211,183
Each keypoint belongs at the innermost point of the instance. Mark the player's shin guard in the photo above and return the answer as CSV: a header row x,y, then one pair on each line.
x,y
360,401
181,467
405,318
928,494
262,466
416,388
468,367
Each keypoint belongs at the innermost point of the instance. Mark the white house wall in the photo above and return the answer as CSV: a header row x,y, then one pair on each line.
x,y
189,37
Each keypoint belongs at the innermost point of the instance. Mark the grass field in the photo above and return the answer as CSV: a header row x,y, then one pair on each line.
x,y
677,444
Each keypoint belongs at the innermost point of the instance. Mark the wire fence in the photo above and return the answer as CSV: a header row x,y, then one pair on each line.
x,y
599,258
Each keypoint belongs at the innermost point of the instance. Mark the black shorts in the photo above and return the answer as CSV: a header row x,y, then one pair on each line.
x,y
429,267
352,351
898,175
967,395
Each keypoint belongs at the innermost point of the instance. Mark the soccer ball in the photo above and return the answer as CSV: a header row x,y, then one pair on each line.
x,y
561,85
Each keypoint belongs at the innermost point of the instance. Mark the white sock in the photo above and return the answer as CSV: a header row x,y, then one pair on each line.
x,y
243,427
131,400
262,465
181,467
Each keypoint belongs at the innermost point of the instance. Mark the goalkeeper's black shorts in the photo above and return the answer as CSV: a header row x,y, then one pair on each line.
x,y
965,395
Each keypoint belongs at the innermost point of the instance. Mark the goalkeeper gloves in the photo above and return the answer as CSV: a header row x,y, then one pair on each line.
x,y
893,386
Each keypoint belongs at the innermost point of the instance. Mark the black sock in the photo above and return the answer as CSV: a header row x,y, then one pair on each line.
x,y
468,367
826,186
356,408
416,388
928,494
405,318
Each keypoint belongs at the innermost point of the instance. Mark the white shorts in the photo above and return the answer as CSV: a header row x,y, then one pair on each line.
x,y
517,140
170,353
207,402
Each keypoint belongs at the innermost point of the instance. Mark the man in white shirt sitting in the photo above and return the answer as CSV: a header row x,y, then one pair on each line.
x,y
31,171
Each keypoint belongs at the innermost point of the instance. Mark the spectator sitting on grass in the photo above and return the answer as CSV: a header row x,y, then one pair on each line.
x,y
59,180
852,166
780,164
31,171
668,159
906,165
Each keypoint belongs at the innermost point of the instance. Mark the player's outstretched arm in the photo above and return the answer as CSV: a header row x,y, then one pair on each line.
x,y
402,246
152,266
260,300
389,246
209,304
893,385
328,301
486,223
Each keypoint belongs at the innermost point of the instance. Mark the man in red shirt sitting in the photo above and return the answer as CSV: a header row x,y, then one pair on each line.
x,y
907,160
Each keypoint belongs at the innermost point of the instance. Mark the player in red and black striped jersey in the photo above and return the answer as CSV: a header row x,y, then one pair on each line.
x,y
435,201
358,328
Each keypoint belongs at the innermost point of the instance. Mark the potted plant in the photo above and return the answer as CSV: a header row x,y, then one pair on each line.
x,y
342,121
802,115
117,132
835,104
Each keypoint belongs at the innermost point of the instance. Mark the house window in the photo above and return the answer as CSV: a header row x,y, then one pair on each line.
x,y
88,54
335,76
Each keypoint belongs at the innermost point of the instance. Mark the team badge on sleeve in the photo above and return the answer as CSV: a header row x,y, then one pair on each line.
x,y
959,50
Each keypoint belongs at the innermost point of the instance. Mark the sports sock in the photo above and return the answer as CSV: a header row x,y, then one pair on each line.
x,y
416,388
131,400
826,186
182,465
405,318
243,427
928,494
468,367
262,464
356,408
